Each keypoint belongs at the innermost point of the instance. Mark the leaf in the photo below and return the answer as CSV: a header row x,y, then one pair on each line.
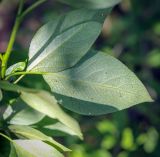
x,y
62,42
54,128
98,84
20,66
94,4
34,148
13,151
14,88
30,133
45,103
1,96
22,114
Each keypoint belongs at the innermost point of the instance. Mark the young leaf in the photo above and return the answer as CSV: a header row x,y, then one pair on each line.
x,y
94,4
62,42
34,148
98,84
20,66
45,103
30,133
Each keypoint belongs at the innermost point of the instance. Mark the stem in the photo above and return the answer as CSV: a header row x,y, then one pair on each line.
x,y
6,137
32,7
12,40
16,81
25,73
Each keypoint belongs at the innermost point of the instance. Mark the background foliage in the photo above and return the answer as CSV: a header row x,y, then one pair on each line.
x,y
132,32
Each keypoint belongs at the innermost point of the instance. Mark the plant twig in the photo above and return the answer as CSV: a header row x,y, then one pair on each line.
x,y
6,137
25,73
32,7
12,40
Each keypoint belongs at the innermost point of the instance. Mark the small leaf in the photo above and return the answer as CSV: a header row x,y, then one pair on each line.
x,y
22,114
54,128
94,4
20,66
14,88
1,96
45,103
30,133
98,84
62,42
34,148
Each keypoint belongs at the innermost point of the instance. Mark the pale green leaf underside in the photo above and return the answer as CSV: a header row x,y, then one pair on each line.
x,y
22,114
33,148
61,43
57,127
27,116
98,84
45,103
94,4
27,132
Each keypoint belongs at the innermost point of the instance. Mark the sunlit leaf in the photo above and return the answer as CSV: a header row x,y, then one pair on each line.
x,y
34,148
45,103
27,132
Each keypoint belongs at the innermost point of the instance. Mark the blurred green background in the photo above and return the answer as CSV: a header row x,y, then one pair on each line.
x,y
132,34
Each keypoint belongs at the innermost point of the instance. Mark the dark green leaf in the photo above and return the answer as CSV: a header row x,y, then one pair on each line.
x,y
14,88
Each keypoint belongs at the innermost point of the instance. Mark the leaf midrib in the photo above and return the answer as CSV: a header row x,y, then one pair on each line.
x,y
96,84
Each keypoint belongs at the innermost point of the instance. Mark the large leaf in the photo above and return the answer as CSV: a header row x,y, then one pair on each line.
x,y
33,148
62,42
94,4
98,84
31,133
45,103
